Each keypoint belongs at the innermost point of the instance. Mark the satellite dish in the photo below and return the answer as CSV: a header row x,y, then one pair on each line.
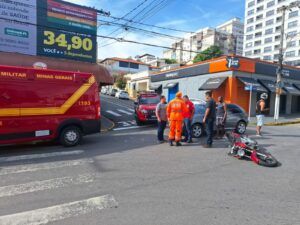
x,y
39,65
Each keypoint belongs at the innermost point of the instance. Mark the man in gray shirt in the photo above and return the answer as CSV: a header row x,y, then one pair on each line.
x,y
161,114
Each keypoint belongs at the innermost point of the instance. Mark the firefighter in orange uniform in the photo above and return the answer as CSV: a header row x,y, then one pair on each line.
x,y
175,111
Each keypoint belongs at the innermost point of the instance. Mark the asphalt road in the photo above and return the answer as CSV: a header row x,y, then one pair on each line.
x,y
121,112
125,178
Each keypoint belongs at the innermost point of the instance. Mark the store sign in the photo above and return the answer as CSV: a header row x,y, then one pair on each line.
x,y
233,62
51,28
16,36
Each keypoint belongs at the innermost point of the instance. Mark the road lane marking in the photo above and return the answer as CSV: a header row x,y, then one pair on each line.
x,y
126,128
43,166
39,156
34,186
126,112
60,212
132,110
110,102
113,113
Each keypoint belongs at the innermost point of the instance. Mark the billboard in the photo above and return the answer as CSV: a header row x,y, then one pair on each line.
x,y
52,28
16,36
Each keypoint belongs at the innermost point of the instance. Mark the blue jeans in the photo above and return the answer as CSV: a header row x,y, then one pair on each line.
x,y
209,124
187,129
161,129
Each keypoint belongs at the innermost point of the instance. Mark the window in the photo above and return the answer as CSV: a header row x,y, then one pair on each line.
x,y
258,26
258,34
250,12
251,20
290,54
276,56
291,44
250,4
276,47
260,8
249,45
278,28
259,17
234,109
249,28
124,64
277,38
260,1
270,13
291,34
269,22
248,53
134,65
267,57
278,19
268,40
249,37
257,43
257,51
280,1
292,24
269,31
270,4
268,49
293,14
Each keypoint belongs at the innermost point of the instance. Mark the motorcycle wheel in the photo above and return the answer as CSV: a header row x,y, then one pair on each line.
x,y
267,161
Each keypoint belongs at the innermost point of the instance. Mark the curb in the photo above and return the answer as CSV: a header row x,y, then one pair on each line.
x,y
110,128
283,123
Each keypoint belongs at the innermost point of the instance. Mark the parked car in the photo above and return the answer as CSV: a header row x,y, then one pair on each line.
x,y
145,108
122,95
237,119
112,92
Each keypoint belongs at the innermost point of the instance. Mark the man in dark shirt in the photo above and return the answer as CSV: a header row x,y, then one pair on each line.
x,y
209,118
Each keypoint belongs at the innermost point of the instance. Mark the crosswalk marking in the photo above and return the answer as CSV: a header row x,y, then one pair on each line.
x,y
43,166
59,212
131,110
113,113
126,112
34,186
39,156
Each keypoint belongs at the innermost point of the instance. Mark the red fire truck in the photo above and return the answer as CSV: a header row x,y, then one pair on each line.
x,y
42,104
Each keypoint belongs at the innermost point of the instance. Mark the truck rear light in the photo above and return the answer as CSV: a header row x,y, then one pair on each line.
x,y
98,112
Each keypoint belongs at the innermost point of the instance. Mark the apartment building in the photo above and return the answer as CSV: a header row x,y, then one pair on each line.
x,y
262,31
228,36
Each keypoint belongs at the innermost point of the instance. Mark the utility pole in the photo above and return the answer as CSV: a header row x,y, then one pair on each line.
x,y
279,85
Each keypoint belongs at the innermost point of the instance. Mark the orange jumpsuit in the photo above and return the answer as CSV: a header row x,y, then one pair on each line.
x,y
175,111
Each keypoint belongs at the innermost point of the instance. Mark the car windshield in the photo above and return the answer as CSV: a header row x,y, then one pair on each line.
x,y
149,101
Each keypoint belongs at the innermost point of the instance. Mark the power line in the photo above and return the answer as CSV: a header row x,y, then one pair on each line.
x,y
108,23
101,36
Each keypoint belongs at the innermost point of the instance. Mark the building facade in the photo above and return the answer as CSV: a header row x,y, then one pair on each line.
x,y
228,36
233,78
262,31
119,66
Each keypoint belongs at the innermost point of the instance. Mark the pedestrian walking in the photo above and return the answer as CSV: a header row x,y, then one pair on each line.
x,y
261,112
209,118
221,116
161,114
188,117
175,110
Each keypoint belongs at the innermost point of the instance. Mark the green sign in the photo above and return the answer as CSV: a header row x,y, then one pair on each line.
x,y
67,31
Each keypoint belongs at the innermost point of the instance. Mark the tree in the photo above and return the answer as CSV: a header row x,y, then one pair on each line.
x,y
170,61
209,53
120,82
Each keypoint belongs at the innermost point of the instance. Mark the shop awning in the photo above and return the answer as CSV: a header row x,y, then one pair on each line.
x,y
170,85
291,89
155,86
254,83
213,83
269,84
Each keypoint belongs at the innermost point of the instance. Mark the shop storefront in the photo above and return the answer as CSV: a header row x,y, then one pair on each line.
x,y
240,80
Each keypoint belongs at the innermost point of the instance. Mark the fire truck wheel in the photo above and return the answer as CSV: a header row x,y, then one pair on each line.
x,y
70,136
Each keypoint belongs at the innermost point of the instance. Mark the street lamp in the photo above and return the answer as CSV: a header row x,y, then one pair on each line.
x,y
279,84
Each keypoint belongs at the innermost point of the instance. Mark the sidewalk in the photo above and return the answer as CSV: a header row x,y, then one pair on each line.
x,y
283,120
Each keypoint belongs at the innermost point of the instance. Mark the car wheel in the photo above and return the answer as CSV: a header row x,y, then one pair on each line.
x,y
197,130
70,136
241,127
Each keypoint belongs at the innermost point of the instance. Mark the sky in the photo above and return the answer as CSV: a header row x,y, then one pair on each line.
x,y
187,15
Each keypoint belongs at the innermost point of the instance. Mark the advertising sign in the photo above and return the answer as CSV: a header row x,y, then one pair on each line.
x,y
67,31
51,28
16,36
